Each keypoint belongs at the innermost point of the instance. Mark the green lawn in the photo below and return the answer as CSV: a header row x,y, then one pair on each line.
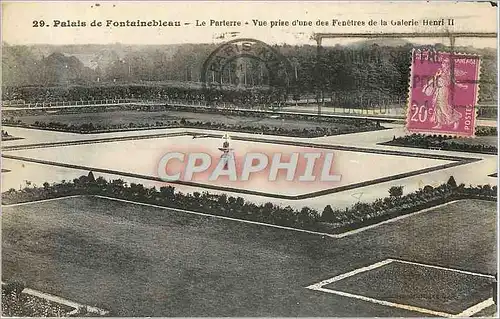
x,y
143,261
445,290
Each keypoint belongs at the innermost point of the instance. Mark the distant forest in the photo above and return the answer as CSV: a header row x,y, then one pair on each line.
x,y
355,70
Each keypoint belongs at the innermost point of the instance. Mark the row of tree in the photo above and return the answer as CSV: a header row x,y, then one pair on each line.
x,y
362,72
189,95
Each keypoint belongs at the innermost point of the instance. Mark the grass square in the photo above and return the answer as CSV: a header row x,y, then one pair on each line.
x,y
437,289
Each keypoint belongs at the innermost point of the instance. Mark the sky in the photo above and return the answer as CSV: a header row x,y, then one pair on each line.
x,y
18,21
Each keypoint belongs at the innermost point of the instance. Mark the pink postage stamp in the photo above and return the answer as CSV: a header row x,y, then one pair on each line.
x,y
443,93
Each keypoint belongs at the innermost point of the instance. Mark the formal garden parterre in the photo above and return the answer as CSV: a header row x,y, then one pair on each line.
x,y
447,143
133,117
328,221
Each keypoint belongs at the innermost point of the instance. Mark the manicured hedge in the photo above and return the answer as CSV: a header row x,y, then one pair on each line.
x,y
317,131
443,143
359,215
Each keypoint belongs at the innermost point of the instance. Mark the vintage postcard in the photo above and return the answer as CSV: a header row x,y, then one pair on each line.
x,y
249,159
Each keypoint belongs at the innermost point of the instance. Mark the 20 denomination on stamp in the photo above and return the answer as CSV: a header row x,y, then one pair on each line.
x,y
443,93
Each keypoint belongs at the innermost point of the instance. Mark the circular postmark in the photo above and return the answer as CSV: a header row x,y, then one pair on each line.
x,y
246,73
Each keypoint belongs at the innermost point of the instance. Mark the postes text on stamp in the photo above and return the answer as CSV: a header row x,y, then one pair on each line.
x,y
443,93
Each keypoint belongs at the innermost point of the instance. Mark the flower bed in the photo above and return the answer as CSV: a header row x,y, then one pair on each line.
x,y
348,126
15,303
332,220
442,143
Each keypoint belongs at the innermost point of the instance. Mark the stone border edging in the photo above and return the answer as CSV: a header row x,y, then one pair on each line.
x,y
388,143
63,301
456,162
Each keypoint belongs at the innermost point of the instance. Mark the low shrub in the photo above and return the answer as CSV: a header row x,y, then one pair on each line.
x,y
358,215
440,142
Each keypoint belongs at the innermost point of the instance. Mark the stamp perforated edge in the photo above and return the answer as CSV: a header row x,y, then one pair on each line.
x,y
444,134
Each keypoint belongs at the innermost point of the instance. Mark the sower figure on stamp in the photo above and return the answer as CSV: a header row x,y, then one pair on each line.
x,y
439,87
